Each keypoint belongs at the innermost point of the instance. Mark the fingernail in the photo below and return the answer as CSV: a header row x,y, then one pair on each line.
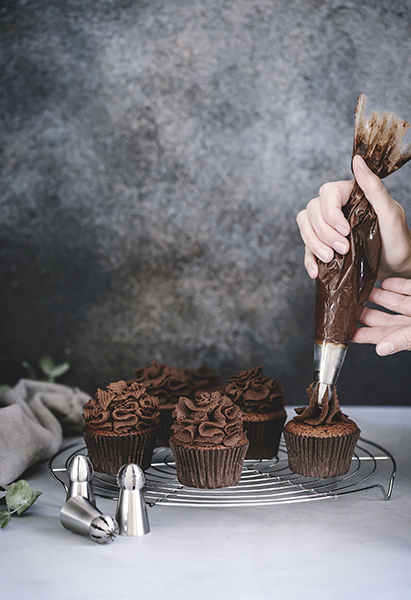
x,y
361,162
312,272
385,349
340,247
324,255
343,229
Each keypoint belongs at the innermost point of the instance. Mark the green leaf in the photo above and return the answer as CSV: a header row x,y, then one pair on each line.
x,y
20,496
59,370
46,364
4,518
31,372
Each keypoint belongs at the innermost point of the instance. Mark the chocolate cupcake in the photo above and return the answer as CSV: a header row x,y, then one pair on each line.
x,y
203,379
209,444
321,439
261,401
120,426
168,384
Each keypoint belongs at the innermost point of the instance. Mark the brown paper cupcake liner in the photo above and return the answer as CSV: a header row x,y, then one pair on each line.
x,y
320,457
264,437
108,453
209,468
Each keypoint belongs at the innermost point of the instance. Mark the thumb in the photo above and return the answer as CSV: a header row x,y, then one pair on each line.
x,y
395,342
372,186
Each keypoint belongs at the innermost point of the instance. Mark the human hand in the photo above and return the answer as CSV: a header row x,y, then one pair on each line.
x,y
391,333
323,226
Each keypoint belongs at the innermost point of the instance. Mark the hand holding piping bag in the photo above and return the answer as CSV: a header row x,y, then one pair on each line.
x,y
323,228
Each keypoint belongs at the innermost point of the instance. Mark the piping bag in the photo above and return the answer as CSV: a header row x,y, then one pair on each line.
x,y
344,284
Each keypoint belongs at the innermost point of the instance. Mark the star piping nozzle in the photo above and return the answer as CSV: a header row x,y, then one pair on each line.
x,y
80,472
131,511
81,516
328,360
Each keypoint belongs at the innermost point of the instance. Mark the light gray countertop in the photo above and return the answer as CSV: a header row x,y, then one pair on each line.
x,y
355,546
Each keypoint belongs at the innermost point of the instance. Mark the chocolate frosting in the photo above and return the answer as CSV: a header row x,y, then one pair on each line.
x,y
344,284
203,379
122,408
164,381
169,383
253,392
326,414
209,419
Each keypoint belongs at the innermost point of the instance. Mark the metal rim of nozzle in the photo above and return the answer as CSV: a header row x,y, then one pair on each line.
x,y
328,361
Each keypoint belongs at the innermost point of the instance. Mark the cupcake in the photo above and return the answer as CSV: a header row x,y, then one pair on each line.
x,y
209,444
168,384
120,426
203,379
261,401
321,439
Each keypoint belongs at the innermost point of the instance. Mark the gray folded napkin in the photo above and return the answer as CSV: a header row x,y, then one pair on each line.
x,y
33,418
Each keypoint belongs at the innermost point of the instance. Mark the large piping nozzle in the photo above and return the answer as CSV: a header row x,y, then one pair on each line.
x,y
131,511
328,360
80,472
80,516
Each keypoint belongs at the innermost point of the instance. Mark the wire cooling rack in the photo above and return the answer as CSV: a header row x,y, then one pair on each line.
x,y
263,482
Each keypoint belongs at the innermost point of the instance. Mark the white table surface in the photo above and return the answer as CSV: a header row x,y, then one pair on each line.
x,y
356,546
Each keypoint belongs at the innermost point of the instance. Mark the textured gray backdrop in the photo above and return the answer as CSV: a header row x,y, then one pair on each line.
x,y
154,157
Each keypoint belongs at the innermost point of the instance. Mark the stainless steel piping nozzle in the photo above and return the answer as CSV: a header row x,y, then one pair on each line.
x,y
80,472
81,516
131,511
328,360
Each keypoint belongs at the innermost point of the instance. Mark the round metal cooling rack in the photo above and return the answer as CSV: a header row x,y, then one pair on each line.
x,y
263,482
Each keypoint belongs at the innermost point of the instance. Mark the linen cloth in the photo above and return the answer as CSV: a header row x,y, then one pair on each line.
x,y
33,418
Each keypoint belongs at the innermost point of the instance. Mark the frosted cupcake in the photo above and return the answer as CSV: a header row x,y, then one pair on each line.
x,y
120,426
321,439
209,444
261,401
168,383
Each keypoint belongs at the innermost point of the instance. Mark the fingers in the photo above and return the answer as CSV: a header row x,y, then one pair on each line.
x,y
388,339
372,187
398,285
310,264
378,318
397,302
390,332
395,233
323,226
333,196
311,239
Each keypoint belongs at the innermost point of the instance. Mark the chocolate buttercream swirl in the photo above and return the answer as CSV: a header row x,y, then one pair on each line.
x,y
169,383
164,381
210,419
329,412
122,408
203,379
253,392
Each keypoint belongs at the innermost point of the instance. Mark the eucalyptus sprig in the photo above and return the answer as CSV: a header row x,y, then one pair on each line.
x,y
49,370
19,497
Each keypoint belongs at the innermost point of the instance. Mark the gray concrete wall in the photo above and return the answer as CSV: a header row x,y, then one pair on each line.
x,y
154,157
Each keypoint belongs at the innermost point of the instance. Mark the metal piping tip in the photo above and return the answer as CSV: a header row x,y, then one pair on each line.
x,y
322,389
131,513
81,516
80,472
328,361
